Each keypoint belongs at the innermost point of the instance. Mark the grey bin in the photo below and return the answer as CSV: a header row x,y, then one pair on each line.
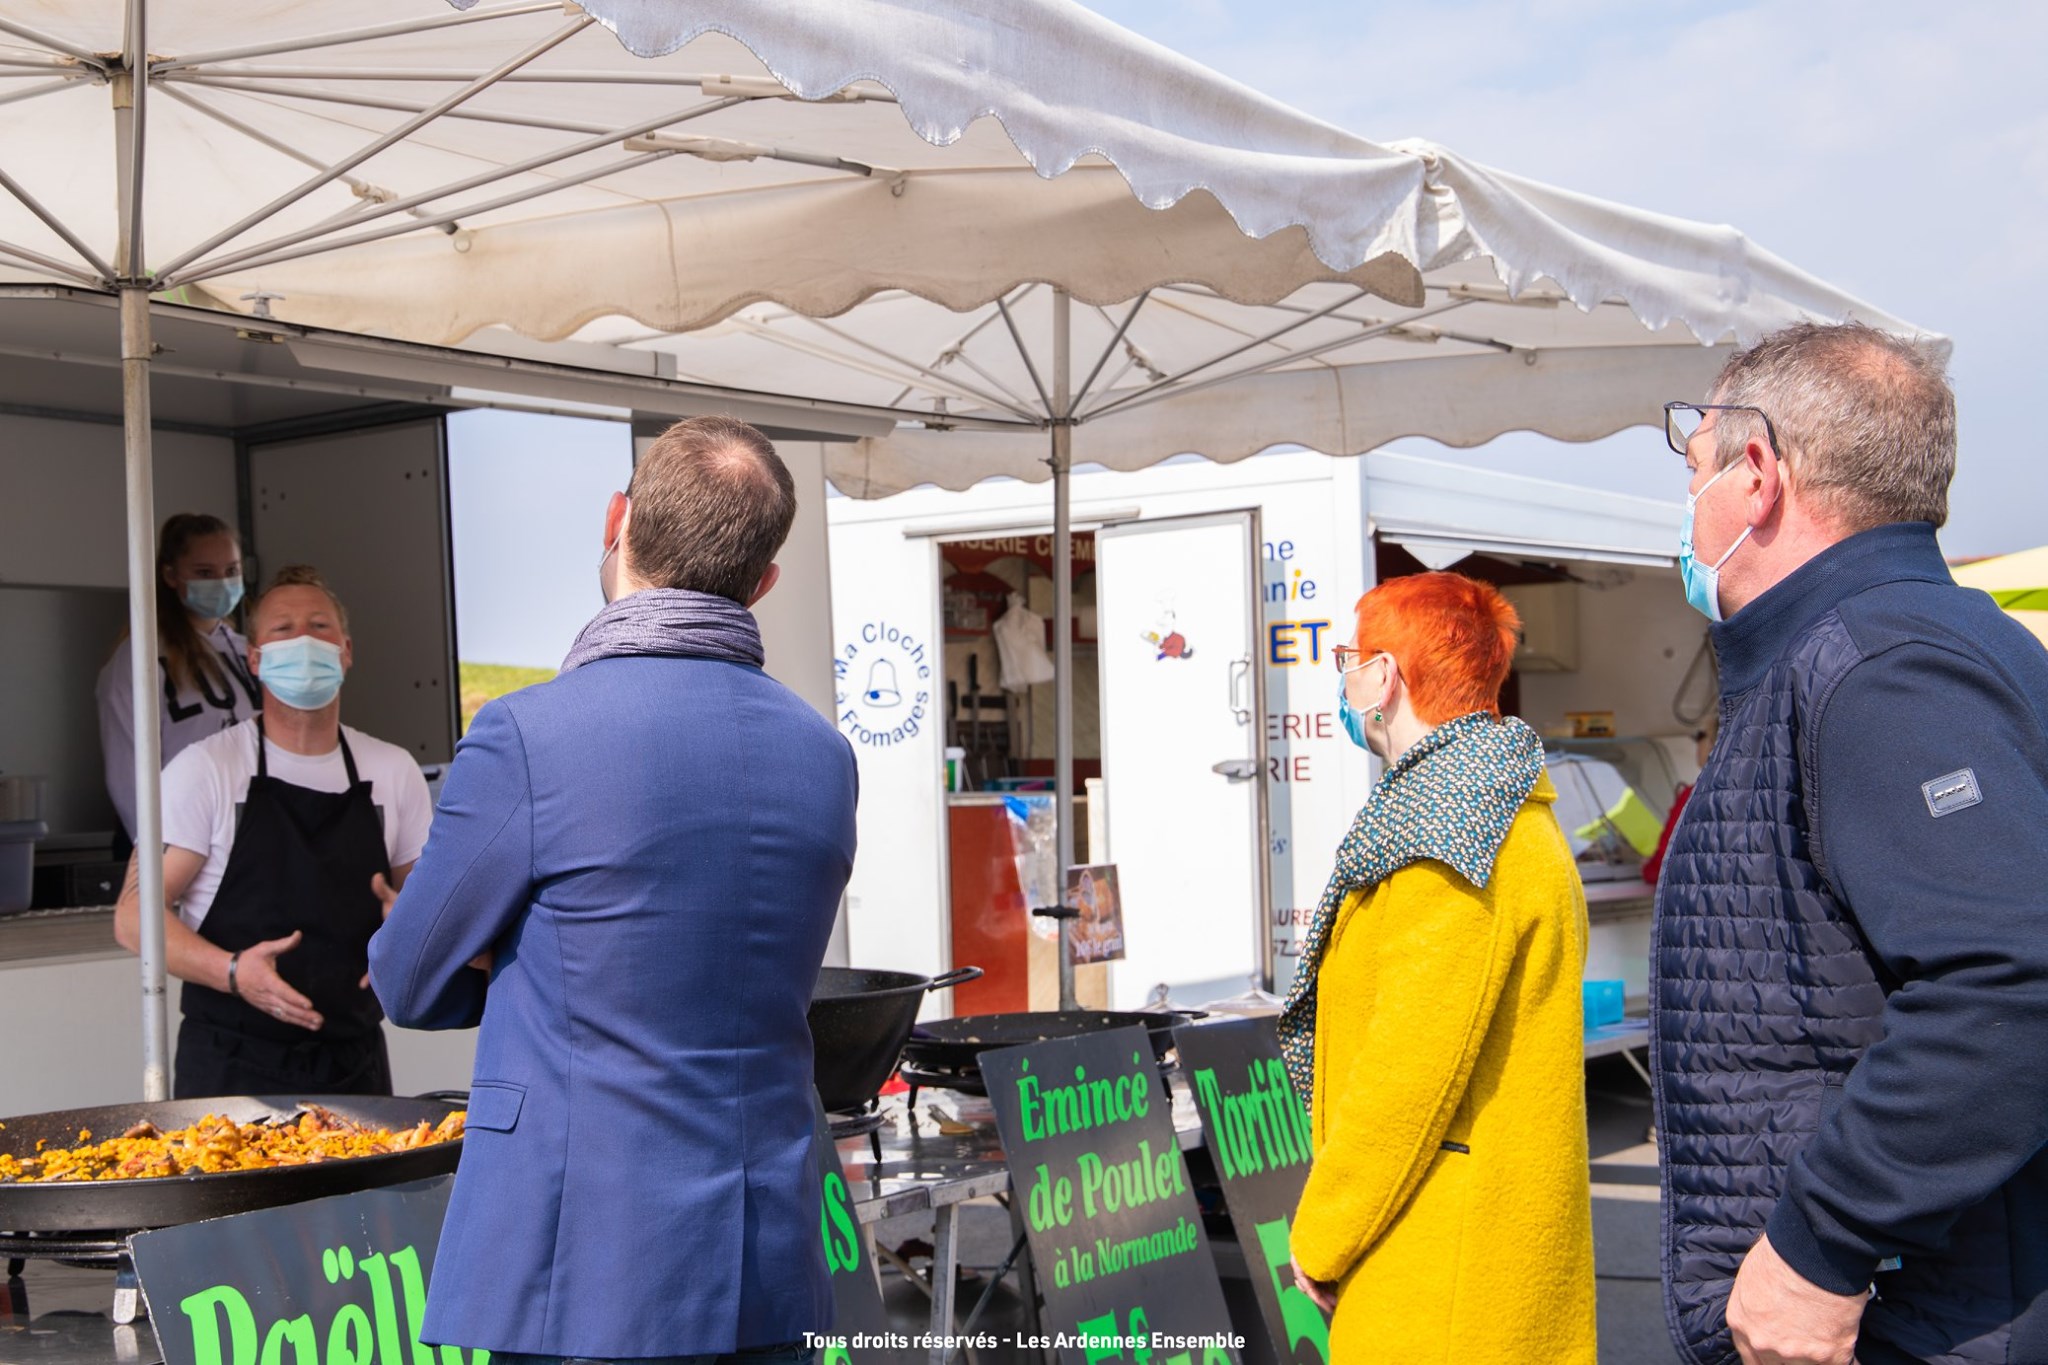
x,y
17,861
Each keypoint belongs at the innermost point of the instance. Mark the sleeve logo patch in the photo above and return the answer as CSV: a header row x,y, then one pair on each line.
x,y
1948,794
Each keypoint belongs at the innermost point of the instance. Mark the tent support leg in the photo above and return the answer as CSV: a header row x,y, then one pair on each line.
x,y
130,88
1063,621
149,863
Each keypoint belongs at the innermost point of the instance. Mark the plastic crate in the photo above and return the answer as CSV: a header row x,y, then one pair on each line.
x,y
1603,1002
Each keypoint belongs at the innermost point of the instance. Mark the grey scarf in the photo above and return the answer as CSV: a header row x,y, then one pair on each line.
x,y
672,623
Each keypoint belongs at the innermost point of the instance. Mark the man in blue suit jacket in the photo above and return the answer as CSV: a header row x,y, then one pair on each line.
x,y
645,855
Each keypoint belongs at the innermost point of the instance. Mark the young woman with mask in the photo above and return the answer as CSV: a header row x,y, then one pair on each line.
x,y
1435,1025
284,839
203,675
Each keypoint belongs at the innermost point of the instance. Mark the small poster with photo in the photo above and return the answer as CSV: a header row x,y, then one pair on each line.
x,y
1099,913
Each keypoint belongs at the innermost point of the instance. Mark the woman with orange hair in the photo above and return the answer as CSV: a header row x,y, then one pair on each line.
x,y
1435,1025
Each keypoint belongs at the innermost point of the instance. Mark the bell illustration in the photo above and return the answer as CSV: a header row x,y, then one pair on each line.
x,y
882,684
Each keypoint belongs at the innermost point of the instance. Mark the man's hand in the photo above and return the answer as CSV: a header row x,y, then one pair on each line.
x,y
1322,1291
1779,1317
257,981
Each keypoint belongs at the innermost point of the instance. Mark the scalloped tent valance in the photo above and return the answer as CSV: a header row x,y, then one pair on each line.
x,y
866,200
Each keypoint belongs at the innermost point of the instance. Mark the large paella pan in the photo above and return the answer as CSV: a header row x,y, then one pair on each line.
x,y
132,1204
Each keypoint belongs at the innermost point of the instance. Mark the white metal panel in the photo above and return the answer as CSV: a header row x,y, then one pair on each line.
x,y
61,499
1182,696
56,639
369,510
888,671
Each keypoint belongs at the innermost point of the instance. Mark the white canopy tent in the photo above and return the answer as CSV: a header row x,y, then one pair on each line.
x,y
893,207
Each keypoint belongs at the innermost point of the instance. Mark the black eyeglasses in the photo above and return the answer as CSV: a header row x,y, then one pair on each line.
x,y
1682,423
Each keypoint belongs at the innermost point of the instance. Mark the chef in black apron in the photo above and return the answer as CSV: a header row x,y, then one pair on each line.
x,y
302,861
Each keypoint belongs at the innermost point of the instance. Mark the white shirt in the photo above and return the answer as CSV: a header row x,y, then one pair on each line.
x,y
188,714
205,786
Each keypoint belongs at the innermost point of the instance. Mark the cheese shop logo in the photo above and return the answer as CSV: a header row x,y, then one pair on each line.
x,y
883,682
226,1331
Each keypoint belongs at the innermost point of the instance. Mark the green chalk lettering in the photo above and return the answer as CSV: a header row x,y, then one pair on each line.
x,y
1028,1108
297,1333
1298,1312
836,1225
1211,1096
383,1309
205,1310
349,1339
413,1284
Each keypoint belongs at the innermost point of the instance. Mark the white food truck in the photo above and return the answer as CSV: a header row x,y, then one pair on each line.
x,y
1217,777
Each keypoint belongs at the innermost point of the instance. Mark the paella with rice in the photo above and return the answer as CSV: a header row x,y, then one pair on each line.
x,y
215,1145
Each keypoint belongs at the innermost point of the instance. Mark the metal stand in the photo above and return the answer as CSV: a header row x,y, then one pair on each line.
x,y
127,1294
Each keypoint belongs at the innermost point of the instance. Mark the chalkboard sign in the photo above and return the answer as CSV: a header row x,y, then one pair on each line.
x,y
345,1279
1259,1139
1115,1234
860,1328
341,1279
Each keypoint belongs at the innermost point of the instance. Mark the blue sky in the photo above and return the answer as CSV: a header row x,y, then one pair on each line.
x,y
1897,150
526,508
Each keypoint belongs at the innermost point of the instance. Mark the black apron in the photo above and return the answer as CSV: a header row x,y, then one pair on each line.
x,y
302,860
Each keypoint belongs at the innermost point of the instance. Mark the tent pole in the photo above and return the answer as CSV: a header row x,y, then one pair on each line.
x,y
142,630
1063,621
130,86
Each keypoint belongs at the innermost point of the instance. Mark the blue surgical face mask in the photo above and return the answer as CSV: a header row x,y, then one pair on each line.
x,y
1352,718
304,673
213,598
1703,581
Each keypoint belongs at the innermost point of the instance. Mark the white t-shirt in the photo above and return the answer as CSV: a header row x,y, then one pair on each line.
x,y
188,714
205,786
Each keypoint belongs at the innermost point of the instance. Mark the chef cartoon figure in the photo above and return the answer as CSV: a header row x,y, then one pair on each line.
x,y
1165,636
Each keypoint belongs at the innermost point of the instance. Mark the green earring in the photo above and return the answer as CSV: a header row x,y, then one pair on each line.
x,y
1379,717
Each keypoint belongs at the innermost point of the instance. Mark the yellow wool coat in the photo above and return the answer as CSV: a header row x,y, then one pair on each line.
x,y
1449,1195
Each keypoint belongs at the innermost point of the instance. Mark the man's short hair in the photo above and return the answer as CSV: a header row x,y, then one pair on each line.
x,y
1867,419
712,504
300,576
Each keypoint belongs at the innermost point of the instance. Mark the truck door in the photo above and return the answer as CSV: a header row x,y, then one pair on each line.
x,y
369,510
1184,752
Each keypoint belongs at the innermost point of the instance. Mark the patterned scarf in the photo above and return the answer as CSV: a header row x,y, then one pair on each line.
x,y
671,623
1452,798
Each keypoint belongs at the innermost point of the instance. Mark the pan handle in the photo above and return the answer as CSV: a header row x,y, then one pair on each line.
x,y
445,1096
959,976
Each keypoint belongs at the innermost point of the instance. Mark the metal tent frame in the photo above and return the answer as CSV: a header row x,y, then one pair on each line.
x,y
1261,257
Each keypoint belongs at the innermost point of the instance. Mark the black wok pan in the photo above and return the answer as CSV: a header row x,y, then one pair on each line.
x,y
859,1019
953,1044
161,1201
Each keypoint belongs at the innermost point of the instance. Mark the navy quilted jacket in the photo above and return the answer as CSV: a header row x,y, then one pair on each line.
x,y
1850,964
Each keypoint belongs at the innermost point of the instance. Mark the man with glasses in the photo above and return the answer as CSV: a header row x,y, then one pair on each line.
x,y
1850,963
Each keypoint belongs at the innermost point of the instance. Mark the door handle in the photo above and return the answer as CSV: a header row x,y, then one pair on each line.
x,y
1236,769
1240,674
